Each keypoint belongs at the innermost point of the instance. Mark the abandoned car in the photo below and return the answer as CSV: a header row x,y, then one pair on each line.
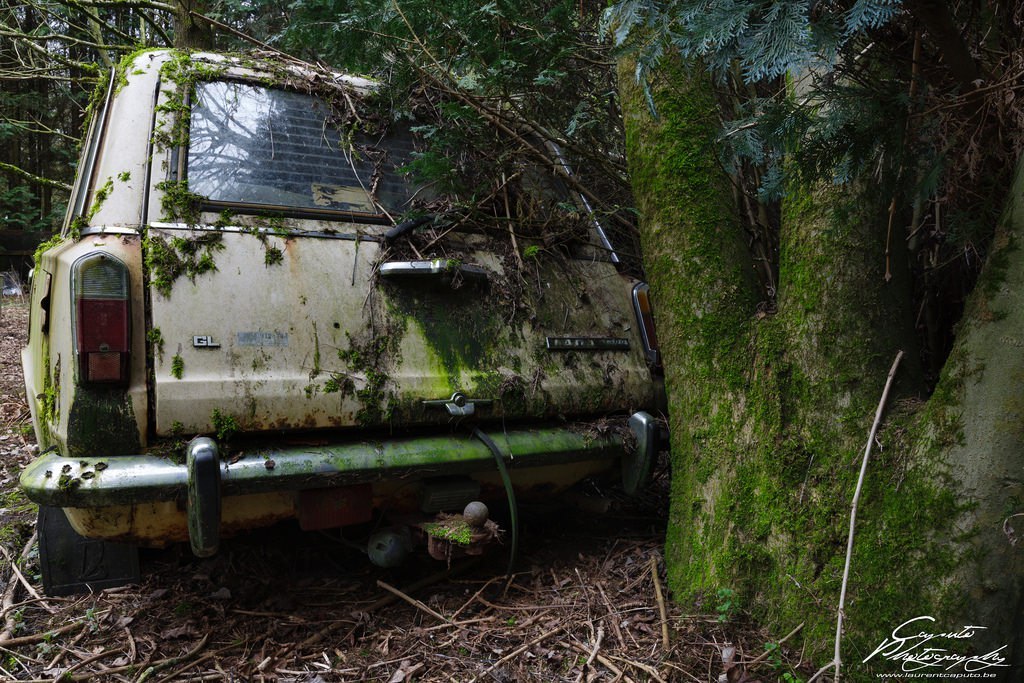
x,y
255,312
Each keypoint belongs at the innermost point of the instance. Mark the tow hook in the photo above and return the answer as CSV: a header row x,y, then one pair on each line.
x,y
450,536
447,537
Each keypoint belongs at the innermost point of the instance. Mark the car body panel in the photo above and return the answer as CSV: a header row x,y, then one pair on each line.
x,y
267,328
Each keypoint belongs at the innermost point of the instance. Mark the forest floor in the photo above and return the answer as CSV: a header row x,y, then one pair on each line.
x,y
587,600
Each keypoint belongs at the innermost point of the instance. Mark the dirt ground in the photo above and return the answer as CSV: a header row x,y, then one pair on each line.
x,y
587,600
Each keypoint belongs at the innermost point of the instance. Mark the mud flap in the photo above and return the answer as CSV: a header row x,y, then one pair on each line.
x,y
73,564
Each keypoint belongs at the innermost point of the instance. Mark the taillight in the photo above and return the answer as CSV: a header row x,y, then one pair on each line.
x,y
102,339
645,316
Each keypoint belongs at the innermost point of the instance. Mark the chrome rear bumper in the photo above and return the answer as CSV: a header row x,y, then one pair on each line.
x,y
205,479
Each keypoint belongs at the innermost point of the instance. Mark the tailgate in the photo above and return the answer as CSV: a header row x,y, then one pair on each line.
x,y
256,331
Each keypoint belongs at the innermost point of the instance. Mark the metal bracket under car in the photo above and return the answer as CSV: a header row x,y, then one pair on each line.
x,y
459,405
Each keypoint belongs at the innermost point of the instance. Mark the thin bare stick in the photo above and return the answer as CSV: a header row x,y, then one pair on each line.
x,y
42,635
412,601
79,664
475,596
640,665
764,655
21,577
172,661
607,663
661,603
64,650
836,661
597,648
511,232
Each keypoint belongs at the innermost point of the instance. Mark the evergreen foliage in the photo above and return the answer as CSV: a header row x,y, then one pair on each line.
x,y
489,86
866,93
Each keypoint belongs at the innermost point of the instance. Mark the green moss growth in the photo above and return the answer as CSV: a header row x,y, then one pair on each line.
x,y
78,223
178,203
43,247
50,401
225,426
100,197
273,256
167,261
173,114
455,531
371,361
124,67
155,338
177,366
224,220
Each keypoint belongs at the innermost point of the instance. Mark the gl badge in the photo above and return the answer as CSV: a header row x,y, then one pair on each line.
x,y
204,341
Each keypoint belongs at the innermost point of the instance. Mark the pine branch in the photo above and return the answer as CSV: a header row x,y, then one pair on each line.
x,y
494,117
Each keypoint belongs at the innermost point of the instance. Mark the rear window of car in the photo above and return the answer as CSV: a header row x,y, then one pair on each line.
x,y
266,147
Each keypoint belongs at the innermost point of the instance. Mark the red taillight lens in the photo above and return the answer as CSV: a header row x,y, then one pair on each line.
x,y
645,316
102,330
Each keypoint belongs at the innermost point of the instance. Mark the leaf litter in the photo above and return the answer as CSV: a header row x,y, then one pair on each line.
x,y
274,605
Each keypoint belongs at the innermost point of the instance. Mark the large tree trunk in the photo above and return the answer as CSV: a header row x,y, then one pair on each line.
x,y
769,414
190,31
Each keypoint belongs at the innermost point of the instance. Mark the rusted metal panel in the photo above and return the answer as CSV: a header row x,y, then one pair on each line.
x,y
330,508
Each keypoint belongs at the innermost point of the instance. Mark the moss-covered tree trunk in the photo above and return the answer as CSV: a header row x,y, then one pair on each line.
x,y
770,413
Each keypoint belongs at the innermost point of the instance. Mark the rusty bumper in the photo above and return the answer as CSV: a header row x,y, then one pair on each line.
x,y
206,478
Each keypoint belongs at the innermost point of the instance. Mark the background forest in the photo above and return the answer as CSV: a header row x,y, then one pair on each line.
x,y
815,186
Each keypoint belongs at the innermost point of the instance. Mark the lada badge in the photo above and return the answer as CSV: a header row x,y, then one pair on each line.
x,y
587,344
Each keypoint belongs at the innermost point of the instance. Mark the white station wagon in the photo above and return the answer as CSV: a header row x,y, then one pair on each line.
x,y
252,314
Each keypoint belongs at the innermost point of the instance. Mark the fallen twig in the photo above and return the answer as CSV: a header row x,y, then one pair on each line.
x,y
515,653
171,661
476,595
412,601
640,665
21,577
12,589
79,664
764,655
613,617
64,650
593,654
661,603
42,635
605,662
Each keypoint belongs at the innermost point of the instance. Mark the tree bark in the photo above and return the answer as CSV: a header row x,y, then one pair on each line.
x,y
191,32
768,413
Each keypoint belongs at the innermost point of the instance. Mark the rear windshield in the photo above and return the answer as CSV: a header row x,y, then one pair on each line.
x,y
265,147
